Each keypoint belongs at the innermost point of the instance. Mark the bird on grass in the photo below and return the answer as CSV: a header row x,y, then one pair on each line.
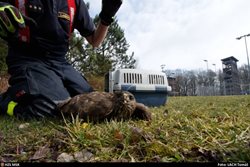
x,y
98,106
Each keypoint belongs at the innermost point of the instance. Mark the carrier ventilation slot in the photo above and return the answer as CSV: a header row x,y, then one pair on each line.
x,y
156,79
132,78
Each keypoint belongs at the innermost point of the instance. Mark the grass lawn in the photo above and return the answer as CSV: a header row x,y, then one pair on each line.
x,y
187,129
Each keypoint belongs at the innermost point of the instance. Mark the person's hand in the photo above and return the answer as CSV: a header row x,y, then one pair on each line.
x,y
11,20
109,9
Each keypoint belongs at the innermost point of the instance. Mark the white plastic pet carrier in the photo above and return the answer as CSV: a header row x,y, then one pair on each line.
x,y
149,87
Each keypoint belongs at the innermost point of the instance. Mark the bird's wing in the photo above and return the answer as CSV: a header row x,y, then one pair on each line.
x,y
93,106
142,112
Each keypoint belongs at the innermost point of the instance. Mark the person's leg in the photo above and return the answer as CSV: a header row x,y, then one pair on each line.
x,y
4,100
34,88
37,78
74,82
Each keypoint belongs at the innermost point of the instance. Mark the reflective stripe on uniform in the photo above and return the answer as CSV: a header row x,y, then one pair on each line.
x,y
71,10
24,33
11,106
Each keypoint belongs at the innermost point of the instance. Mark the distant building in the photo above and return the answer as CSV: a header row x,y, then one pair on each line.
x,y
172,82
231,76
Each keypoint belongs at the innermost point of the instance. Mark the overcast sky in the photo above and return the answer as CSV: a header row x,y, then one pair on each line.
x,y
183,33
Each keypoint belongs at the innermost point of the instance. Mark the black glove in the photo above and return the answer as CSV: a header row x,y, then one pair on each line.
x,y
11,20
109,9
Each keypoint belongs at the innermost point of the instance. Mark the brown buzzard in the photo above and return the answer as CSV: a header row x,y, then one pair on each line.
x,y
98,106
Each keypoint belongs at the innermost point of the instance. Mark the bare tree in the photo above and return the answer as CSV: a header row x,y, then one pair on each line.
x,y
244,79
192,83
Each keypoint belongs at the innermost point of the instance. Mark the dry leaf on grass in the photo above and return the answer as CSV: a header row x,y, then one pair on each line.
x,y
41,153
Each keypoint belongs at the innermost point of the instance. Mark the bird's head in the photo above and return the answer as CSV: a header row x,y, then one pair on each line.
x,y
126,103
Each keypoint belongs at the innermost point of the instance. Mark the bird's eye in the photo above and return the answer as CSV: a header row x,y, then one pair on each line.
x,y
131,97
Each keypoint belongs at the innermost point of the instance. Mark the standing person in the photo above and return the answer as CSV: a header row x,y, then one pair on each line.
x,y
38,32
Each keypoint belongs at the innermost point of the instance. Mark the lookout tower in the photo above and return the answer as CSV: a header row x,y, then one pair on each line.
x,y
230,76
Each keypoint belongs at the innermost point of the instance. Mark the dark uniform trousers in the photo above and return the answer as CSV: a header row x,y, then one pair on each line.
x,y
35,77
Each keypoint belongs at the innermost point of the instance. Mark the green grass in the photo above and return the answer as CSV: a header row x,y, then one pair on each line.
x,y
187,129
